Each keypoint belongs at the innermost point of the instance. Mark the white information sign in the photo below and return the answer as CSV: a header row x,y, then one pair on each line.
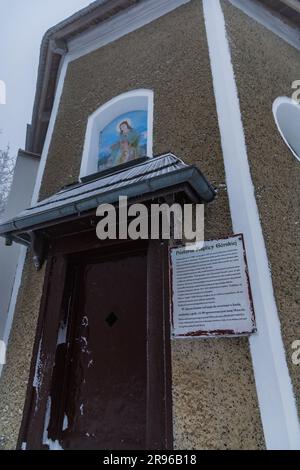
x,y
211,293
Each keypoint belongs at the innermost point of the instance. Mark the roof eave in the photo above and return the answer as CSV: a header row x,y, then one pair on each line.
x,y
190,175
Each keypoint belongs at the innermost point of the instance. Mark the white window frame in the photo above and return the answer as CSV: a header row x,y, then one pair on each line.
x,y
285,100
135,100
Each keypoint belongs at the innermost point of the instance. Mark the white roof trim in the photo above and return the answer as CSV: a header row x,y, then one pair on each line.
x,y
120,25
266,18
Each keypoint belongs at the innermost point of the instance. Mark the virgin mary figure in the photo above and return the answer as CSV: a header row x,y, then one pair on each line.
x,y
127,148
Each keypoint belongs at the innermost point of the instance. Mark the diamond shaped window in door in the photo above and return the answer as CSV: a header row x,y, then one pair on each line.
x,y
111,319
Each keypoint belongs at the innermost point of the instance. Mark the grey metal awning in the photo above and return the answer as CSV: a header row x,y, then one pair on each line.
x,y
147,177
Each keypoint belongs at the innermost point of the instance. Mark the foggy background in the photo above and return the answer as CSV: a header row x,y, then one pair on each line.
x,y
22,26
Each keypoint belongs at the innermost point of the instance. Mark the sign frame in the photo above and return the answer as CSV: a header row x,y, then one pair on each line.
x,y
216,332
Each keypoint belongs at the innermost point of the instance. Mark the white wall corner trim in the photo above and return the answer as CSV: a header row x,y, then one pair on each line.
x,y
14,297
274,388
54,112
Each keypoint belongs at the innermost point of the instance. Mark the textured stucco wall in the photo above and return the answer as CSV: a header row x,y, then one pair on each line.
x,y
215,403
265,66
13,383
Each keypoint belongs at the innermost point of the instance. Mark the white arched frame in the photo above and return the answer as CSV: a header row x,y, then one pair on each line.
x,y
135,100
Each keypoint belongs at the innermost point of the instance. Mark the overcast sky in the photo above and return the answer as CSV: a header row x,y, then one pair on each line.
x,y
22,26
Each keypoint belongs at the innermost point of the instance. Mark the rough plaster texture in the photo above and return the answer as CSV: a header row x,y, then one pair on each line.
x,y
265,66
215,403
13,383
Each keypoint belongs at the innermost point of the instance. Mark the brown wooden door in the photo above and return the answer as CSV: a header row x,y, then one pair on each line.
x,y
102,351
105,399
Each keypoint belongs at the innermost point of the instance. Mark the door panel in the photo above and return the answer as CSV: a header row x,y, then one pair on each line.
x,y
105,401
102,350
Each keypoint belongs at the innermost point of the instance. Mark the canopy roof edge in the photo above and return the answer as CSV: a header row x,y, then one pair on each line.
x,y
144,180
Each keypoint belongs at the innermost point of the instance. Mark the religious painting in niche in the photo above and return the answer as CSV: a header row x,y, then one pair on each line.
x,y
123,139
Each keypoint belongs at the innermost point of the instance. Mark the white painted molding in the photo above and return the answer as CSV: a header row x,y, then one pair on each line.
x,y
274,388
135,100
120,25
14,296
273,23
54,112
288,126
